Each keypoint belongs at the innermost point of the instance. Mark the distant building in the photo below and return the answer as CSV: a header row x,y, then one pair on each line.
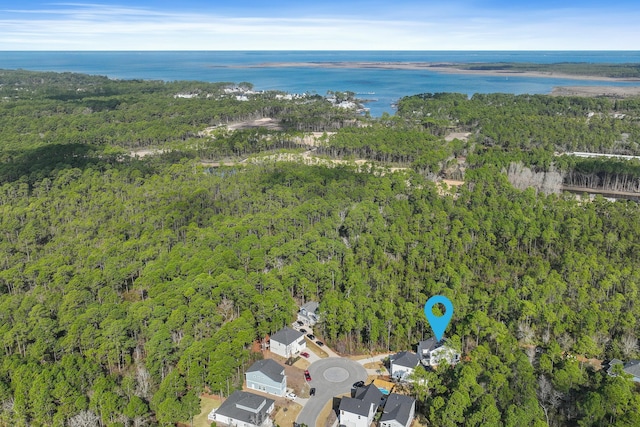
x,y
403,364
308,313
398,411
287,342
267,376
243,409
433,352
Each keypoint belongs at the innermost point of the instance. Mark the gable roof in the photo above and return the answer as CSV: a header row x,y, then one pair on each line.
x,y
270,368
310,306
286,336
247,407
405,358
398,408
430,344
355,406
370,394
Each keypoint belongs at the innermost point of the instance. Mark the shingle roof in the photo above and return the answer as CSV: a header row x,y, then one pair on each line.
x,y
246,407
370,394
430,344
310,306
286,336
406,358
270,368
355,406
398,408
632,367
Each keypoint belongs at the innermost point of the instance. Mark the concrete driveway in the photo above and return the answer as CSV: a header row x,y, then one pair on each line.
x,y
331,377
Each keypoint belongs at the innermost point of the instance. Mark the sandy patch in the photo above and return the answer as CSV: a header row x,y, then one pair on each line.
x,y
147,152
266,122
287,414
606,91
207,403
462,136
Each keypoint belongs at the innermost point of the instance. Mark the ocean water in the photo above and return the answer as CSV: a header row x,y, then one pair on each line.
x,y
382,87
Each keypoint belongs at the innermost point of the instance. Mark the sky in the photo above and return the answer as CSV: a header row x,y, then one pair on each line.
x,y
320,25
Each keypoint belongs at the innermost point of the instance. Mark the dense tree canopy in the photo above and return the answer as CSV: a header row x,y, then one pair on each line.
x,y
127,287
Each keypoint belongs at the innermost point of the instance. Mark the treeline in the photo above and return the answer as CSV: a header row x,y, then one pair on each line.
x,y
129,286
40,110
138,288
534,130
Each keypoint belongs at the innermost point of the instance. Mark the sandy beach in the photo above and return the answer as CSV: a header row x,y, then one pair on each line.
x,y
449,68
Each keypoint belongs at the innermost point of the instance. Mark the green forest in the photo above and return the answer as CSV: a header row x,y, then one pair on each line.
x,y
130,285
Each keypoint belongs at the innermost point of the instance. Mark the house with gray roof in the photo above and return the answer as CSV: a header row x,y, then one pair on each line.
x,y
631,367
433,352
244,409
267,376
402,365
398,411
308,313
287,342
359,410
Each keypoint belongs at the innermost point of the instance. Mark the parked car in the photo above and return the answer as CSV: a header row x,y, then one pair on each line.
x,y
311,336
307,376
312,392
358,384
304,354
291,396
320,343
300,323
304,331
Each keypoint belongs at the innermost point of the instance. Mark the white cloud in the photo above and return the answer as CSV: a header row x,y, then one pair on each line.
x,y
97,27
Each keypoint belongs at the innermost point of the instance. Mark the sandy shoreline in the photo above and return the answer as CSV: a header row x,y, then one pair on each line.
x,y
606,91
430,66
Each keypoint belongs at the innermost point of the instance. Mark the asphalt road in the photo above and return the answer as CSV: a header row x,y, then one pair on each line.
x,y
330,377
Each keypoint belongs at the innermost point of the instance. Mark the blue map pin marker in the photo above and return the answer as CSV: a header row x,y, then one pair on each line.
x,y
438,323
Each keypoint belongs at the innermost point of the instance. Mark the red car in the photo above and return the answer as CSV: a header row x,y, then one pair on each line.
x,y
307,376
304,354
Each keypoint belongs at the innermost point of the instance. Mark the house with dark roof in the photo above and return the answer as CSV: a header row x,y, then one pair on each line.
x,y
631,367
267,376
287,342
359,410
308,313
398,411
243,409
403,364
433,352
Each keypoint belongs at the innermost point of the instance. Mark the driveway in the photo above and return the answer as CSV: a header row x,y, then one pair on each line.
x,y
331,377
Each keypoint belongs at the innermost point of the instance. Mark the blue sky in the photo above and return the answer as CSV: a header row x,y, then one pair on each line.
x,y
327,25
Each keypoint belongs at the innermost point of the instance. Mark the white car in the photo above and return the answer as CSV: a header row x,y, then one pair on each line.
x,y
291,396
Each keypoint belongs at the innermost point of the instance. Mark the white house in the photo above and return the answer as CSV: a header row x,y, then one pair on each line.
x,y
403,364
433,352
359,411
267,376
243,409
398,411
287,342
308,313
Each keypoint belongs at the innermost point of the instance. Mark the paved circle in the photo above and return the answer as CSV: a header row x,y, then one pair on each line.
x,y
330,377
336,374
